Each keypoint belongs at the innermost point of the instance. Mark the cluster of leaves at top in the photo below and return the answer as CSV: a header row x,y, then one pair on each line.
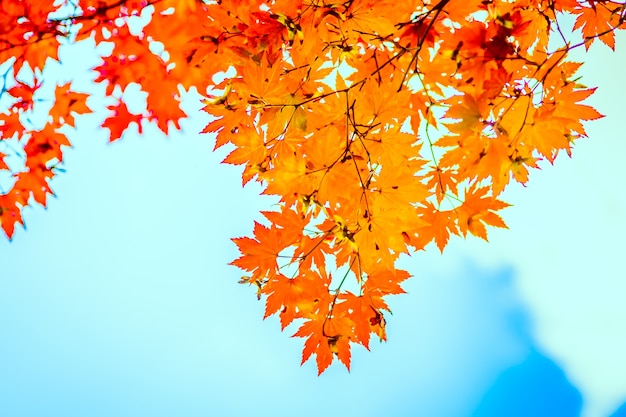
x,y
329,105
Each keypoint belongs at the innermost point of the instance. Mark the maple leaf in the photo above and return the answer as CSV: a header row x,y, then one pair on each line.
x,y
597,22
33,182
166,106
44,146
24,94
10,214
291,223
567,106
262,82
469,113
312,252
440,223
360,310
260,253
251,148
478,210
67,103
35,45
316,343
11,124
298,297
325,337
119,121
442,181
283,294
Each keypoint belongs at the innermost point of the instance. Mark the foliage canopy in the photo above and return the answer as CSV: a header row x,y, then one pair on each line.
x,y
333,106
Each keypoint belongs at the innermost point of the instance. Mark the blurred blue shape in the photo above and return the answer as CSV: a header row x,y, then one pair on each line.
x,y
536,387
620,412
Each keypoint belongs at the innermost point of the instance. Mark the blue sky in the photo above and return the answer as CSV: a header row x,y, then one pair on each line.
x,y
117,299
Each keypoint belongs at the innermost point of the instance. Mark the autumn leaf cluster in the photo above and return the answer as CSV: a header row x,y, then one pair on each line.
x,y
381,126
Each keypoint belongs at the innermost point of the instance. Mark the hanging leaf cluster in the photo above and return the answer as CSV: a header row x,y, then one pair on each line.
x,y
381,126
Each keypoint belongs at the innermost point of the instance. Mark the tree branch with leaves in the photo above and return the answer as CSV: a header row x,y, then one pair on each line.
x,y
381,126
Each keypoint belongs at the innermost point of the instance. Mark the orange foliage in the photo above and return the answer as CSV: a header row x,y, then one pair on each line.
x,y
381,126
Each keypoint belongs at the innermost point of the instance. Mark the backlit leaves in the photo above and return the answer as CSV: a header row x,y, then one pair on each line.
x,y
381,126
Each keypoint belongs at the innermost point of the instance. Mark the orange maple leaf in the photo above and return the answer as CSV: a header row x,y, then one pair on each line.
x,y
326,337
67,103
478,210
44,146
119,121
10,124
24,94
260,254
10,213
597,22
33,182
440,223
